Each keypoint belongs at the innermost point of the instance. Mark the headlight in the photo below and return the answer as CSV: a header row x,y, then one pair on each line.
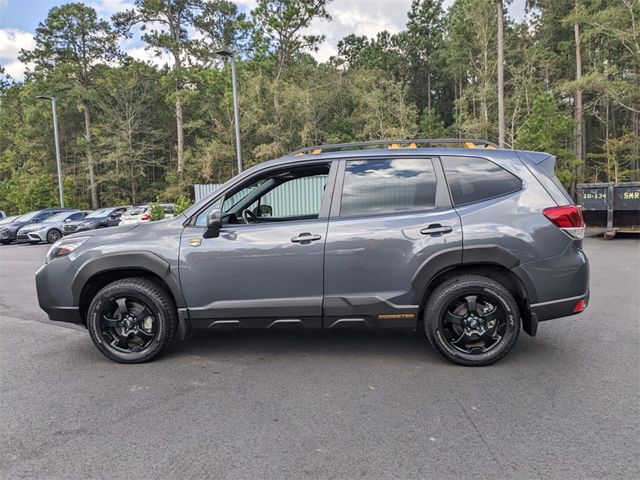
x,y
64,247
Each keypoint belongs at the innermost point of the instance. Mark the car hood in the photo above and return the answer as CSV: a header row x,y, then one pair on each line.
x,y
101,232
31,227
14,226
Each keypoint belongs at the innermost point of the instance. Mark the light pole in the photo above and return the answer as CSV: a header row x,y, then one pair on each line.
x,y
229,53
57,141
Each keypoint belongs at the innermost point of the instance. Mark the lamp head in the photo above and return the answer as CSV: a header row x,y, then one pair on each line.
x,y
224,52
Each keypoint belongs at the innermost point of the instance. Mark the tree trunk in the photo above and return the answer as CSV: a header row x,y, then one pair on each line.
x,y
180,134
501,124
177,69
92,173
133,185
429,87
281,62
579,114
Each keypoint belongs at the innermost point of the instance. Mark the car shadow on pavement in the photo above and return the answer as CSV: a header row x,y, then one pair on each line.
x,y
409,346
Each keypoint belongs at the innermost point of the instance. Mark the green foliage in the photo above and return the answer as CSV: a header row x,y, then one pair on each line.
x,y
431,125
278,25
549,130
182,203
435,78
156,212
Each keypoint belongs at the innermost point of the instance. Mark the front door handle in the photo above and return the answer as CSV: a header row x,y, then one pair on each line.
x,y
305,237
436,229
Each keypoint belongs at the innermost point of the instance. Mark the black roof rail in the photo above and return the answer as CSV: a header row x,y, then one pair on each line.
x,y
411,143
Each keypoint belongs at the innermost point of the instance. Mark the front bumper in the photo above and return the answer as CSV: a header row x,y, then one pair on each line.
x,y
55,297
29,237
7,236
68,231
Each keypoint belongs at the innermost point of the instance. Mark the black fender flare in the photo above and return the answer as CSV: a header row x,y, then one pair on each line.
x,y
138,260
447,259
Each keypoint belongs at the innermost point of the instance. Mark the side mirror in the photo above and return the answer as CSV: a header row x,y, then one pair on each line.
x,y
214,222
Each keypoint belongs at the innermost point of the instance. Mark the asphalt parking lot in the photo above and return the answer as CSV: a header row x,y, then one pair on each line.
x,y
275,405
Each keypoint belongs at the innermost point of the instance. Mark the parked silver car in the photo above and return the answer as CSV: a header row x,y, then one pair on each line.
x,y
49,230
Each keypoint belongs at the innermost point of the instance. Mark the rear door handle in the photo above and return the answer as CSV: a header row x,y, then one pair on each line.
x,y
436,229
305,237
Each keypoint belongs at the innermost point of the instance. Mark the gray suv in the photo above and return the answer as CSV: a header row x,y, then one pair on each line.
x,y
471,244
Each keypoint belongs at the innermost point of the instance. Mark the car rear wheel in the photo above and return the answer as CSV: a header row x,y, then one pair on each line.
x,y
53,235
132,320
472,320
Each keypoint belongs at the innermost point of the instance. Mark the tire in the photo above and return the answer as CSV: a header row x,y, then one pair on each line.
x,y
53,235
455,339
136,291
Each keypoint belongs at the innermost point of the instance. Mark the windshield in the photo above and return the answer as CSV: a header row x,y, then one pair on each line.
x,y
28,216
58,217
8,219
103,212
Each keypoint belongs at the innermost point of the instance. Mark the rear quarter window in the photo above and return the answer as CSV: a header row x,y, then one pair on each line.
x,y
473,179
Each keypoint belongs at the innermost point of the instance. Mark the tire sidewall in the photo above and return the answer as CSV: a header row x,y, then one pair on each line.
x,y
110,293
52,231
434,325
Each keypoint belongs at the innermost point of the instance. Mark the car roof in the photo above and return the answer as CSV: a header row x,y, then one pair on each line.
x,y
373,153
381,149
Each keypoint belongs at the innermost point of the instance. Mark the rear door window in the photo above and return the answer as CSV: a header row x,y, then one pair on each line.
x,y
473,179
388,186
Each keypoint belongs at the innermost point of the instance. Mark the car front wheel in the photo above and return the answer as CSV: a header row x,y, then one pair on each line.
x,y
472,320
132,320
53,236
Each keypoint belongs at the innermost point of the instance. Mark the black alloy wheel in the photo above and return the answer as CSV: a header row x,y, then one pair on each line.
x,y
472,320
132,320
127,325
472,324
53,235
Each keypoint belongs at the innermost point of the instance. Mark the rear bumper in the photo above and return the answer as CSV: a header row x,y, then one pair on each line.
x,y
560,284
563,307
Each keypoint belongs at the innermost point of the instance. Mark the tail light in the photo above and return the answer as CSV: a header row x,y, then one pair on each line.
x,y
580,306
567,218
145,217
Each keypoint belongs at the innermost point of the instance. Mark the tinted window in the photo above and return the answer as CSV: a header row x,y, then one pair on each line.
x,y
297,198
45,215
103,212
474,179
383,186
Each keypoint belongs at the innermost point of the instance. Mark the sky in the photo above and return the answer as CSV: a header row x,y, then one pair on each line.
x,y
19,19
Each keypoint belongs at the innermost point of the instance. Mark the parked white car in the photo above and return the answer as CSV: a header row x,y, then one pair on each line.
x,y
142,213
